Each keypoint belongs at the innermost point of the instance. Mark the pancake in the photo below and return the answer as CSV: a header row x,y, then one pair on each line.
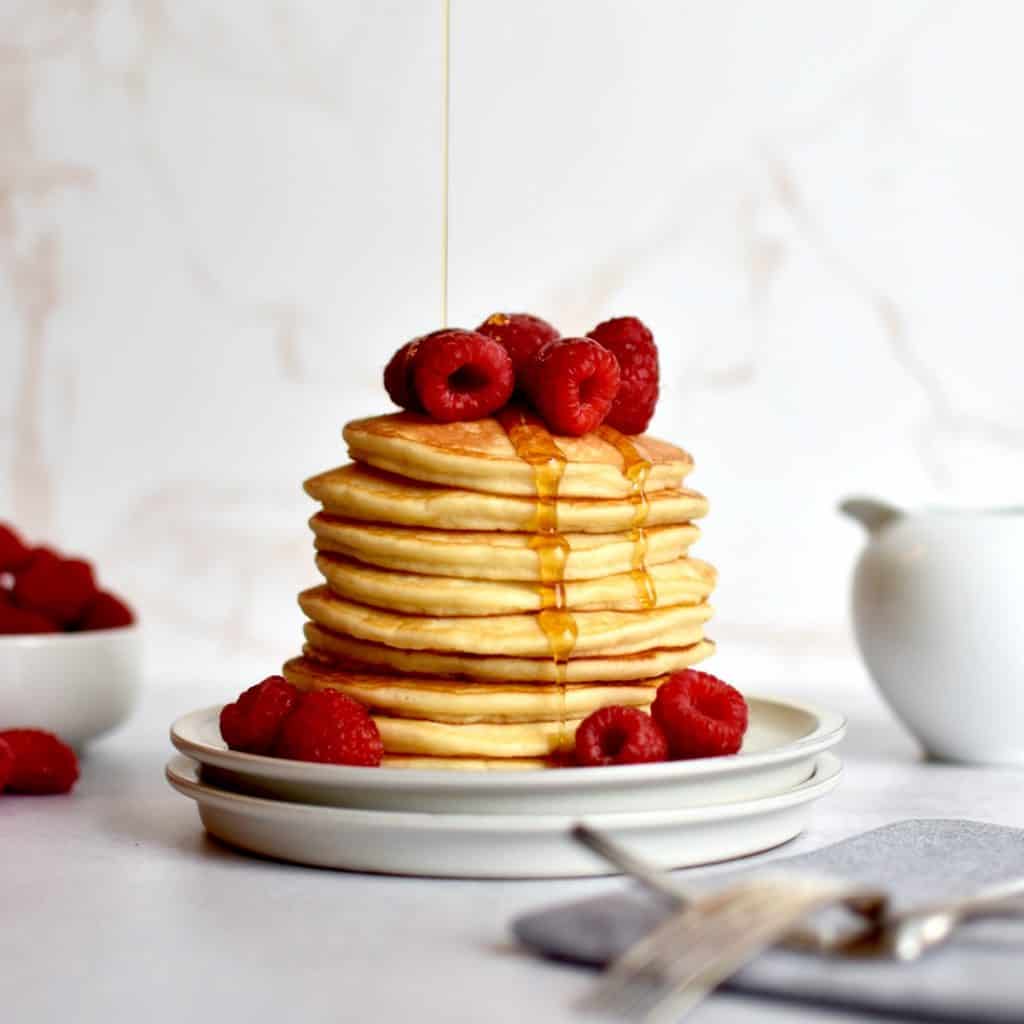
x,y
412,762
478,456
601,633
443,739
328,645
450,700
457,557
684,581
356,492
494,555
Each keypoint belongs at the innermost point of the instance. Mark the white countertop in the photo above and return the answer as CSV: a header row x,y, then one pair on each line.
x,y
114,905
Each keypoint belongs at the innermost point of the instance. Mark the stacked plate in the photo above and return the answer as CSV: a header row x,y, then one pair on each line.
x,y
488,585
488,824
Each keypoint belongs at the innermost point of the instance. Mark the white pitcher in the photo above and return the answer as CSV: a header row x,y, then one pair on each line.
x,y
938,610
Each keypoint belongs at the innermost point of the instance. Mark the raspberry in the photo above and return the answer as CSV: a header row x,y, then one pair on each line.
x,y
520,334
398,377
633,346
252,723
6,764
701,715
14,552
618,735
572,384
15,620
331,727
462,375
43,764
106,612
59,588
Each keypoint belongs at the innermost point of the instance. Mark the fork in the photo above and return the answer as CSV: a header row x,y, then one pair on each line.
x,y
905,935
704,942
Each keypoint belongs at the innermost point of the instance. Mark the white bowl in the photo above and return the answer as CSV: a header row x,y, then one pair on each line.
x,y
78,685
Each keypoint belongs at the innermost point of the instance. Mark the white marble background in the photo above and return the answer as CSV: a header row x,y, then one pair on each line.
x,y
218,219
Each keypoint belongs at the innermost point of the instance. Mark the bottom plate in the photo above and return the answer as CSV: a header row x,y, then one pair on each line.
x,y
495,846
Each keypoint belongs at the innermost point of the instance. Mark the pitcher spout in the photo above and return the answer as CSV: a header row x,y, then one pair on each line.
x,y
870,513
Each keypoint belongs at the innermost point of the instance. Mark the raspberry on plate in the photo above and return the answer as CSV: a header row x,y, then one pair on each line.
x,y
572,383
701,715
43,763
252,723
633,346
14,552
59,588
521,335
6,764
106,612
462,375
398,377
619,735
15,621
330,727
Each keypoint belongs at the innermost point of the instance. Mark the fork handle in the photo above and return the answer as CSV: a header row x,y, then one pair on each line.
x,y
923,930
1004,906
653,879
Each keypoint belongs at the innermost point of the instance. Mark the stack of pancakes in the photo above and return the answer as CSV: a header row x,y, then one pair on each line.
x,y
488,585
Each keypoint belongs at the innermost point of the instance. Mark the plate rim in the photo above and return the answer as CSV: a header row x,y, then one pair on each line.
x,y
828,769
830,729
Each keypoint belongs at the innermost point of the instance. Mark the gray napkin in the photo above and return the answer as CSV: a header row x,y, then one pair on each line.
x,y
977,977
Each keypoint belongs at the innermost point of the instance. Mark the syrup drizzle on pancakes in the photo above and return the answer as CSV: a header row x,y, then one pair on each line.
x,y
636,469
534,444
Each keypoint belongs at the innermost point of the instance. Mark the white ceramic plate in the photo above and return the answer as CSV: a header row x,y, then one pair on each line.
x,y
493,845
778,753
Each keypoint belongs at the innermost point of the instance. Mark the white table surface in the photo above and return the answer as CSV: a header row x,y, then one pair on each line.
x,y
115,906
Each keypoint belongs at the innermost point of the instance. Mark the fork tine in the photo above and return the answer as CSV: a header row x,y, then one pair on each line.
x,y
633,978
708,967
721,923
643,954
699,947
734,927
638,963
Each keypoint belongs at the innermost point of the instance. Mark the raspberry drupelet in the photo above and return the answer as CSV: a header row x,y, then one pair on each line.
x,y
619,735
520,334
572,383
701,715
461,375
633,346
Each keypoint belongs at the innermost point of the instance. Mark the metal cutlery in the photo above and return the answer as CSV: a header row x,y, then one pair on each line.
x,y
868,904
708,939
710,936
905,934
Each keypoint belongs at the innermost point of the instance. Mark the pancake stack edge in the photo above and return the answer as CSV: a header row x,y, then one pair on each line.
x,y
488,585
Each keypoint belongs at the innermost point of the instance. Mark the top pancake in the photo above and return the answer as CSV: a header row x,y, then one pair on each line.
x,y
478,456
